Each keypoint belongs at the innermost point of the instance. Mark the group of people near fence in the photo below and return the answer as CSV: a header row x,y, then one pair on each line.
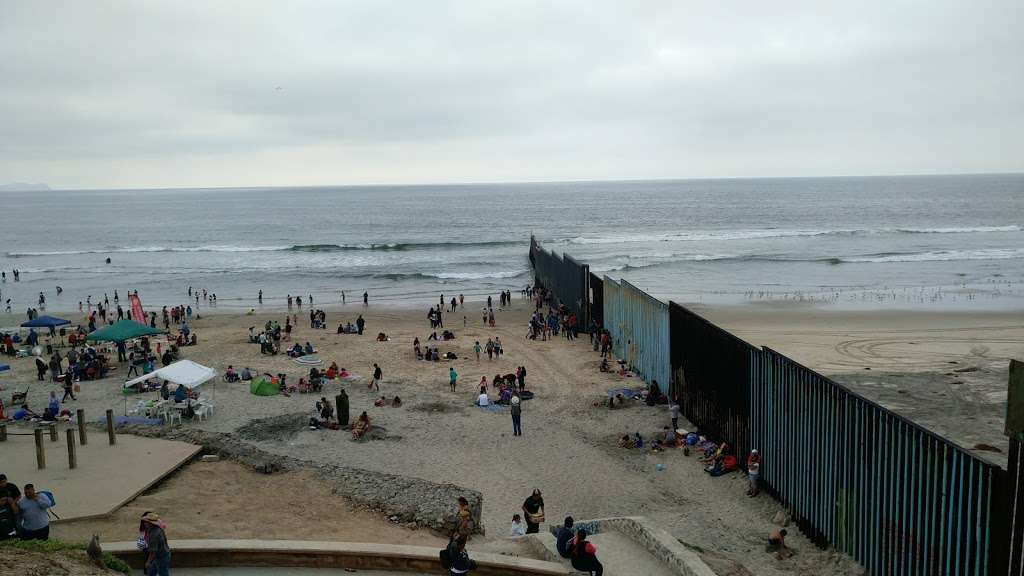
x,y
23,515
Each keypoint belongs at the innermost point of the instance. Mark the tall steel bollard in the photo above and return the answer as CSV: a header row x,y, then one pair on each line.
x,y
53,432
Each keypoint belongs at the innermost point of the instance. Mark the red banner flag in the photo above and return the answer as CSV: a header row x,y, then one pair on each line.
x,y
137,314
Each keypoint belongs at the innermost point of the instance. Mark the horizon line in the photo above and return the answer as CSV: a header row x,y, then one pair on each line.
x,y
510,182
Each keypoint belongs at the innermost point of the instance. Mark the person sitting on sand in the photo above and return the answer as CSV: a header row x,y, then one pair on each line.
x,y
433,336
435,356
605,367
296,351
380,402
447,335
396,403
382,337
361,426
246,374
230,375
308,349
482,399
332,371
583,555
777,543
518,529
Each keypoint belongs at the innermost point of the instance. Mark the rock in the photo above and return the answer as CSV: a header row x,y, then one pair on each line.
x,y
781,518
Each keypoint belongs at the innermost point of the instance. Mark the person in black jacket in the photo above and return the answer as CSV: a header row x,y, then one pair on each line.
x,y
583,555
458,557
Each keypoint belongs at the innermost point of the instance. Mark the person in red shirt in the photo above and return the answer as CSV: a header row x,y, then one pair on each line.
x,y
583,555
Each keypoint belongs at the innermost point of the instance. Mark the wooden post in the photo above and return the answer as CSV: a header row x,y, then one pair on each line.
x,y
53,432
40,451
110,427
72,457
80,417
3,432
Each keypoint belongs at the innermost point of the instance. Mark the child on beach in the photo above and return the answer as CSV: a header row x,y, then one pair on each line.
x,y
452,377
518,529
476,348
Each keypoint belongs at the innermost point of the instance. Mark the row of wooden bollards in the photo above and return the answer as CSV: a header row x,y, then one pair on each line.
x,y
83,438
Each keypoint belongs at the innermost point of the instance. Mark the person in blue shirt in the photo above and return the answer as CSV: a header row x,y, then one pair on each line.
x,y
563,537
180,394
54,405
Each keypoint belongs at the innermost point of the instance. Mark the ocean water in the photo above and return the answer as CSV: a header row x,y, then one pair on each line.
x,y
878,241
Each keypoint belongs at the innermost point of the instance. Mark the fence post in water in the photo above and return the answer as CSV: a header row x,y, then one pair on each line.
x,y
110,427
53,432
72,457
40,450
80,417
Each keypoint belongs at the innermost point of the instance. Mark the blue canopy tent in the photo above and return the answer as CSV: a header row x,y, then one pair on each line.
x,y
48,322
45,322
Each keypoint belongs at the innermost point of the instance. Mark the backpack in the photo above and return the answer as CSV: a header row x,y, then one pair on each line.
x,y
446,558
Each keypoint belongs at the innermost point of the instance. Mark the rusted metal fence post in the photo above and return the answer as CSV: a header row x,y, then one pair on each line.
x,y
40,449
72,457
110,427
80,417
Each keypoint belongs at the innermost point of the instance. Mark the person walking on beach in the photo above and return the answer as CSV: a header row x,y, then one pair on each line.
x,y
533,512
461,301
377,375
360,323
68,386
366,299
476,348
452,377
343,297
158,553
458,560
260,297
517,415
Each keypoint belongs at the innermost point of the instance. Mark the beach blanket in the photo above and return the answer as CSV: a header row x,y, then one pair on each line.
x,y
120,420
308,360
494,408
626,392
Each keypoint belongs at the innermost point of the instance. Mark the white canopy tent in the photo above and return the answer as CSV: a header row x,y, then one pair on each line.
x,y
183,372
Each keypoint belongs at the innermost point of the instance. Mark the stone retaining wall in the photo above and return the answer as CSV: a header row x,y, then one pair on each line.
x,y
338,555
657,541
403,499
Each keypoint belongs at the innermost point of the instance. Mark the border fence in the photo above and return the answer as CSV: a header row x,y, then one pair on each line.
x,y
566,278
896,497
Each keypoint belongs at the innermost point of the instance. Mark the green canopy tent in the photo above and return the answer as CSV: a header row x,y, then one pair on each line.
x,y
263,388
122,331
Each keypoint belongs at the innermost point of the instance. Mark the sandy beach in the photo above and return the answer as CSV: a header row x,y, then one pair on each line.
x,y
569,448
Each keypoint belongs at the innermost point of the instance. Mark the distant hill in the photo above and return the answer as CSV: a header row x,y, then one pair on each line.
x,y
23,187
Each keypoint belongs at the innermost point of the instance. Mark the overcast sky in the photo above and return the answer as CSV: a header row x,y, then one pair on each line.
x,y
163,94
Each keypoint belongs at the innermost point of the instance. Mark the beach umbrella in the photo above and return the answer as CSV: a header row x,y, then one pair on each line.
x,y
122,331
45,322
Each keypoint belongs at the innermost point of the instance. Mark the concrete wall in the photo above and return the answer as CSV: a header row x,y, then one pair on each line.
x,y
657,541
336,555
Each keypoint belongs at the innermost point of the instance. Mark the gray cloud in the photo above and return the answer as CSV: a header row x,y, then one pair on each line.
x,y
99,94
